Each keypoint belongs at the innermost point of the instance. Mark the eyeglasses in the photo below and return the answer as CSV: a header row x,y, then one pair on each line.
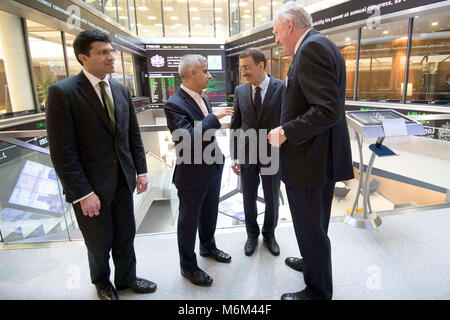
x,y
245,68
107,52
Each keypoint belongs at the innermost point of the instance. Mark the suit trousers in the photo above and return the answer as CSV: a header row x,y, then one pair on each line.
x,y
250,178
112,230
310,210
198,209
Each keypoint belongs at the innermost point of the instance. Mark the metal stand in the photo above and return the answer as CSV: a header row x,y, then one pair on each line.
x,y
370,219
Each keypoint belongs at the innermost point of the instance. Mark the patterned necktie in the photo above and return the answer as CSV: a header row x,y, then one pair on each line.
x,y
107,103
257,100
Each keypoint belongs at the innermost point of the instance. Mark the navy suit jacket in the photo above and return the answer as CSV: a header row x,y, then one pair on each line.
x,y
85,149
182,112
317,150
246,117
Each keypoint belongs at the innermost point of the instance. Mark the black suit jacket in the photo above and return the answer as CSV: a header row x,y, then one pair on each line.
x,y
245,116
317,150
182,112
85,149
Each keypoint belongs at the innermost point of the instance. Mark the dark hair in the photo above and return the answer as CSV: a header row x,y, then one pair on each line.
x,y
256,54
82,43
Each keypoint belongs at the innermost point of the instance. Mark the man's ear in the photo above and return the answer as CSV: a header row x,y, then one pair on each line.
x,y
82,57
291,26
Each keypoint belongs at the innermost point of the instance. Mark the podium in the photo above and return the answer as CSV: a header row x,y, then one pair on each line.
x,y
375,124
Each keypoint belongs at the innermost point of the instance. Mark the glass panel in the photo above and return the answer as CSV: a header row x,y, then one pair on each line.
x,y
111,9
262,12
47,57
97,4
429,71
347,43
234,17
32,208
246,15
123,12
74,66
5,101
175,18
276,5
129,73
132,15
149,20
202,18
280,63
382,61
118,74
221,13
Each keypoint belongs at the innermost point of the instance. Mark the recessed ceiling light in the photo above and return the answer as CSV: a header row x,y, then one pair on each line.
x,y
142,8
173,18
348,39
435,23
385,32
218,9
168,8
151,17
243,4
195,18
218,19
193,9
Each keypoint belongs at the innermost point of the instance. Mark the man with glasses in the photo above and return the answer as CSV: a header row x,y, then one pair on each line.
x,y
97,152
257,106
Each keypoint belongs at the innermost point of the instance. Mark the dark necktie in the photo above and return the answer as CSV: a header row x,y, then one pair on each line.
x,y
257,100
107,104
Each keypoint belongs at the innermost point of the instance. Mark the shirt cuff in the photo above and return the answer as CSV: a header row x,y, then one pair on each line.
x,y
142,175
234,161
76,201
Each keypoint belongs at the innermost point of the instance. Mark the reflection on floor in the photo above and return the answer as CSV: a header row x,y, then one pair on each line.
x,y
405,258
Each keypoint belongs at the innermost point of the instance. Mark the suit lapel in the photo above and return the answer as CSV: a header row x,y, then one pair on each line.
x,y
269,92
190,101
87,91
207,103
115,89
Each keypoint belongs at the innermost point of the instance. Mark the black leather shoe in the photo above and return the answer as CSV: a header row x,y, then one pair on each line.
x,y
250,246
140,286
198,277
272,245
218,255
301,295
106,291
294,263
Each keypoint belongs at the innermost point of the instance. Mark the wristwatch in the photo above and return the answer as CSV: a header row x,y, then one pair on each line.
x,y
282,132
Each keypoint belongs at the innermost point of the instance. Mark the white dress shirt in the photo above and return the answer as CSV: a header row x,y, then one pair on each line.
x,y
197,98
300,40
96,84
263,85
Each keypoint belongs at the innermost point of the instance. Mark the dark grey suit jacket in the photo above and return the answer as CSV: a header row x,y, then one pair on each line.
x,y
317,150
246,117
85,149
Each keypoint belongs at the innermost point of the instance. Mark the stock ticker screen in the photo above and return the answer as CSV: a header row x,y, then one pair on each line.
x,y
163,77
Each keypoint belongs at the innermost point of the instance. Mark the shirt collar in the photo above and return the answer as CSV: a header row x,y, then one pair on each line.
x,y
264,84
192,93
300,40
93,79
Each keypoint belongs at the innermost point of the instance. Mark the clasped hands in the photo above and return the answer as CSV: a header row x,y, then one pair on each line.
x,y
275,137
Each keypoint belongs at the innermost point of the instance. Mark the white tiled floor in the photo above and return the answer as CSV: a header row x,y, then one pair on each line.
x,y
406,258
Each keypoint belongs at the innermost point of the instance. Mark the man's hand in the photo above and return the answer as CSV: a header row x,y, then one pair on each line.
x,y
275,137
141,184
223,112
236,168
91,205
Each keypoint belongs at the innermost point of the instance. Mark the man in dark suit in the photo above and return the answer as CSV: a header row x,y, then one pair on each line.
x,y
198,172
257,106
97,151
315,145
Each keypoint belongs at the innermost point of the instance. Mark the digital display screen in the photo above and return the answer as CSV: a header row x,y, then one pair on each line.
x,y
374,118
37,188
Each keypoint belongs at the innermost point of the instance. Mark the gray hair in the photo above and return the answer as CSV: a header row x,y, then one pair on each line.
x,y
189,61
295,12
